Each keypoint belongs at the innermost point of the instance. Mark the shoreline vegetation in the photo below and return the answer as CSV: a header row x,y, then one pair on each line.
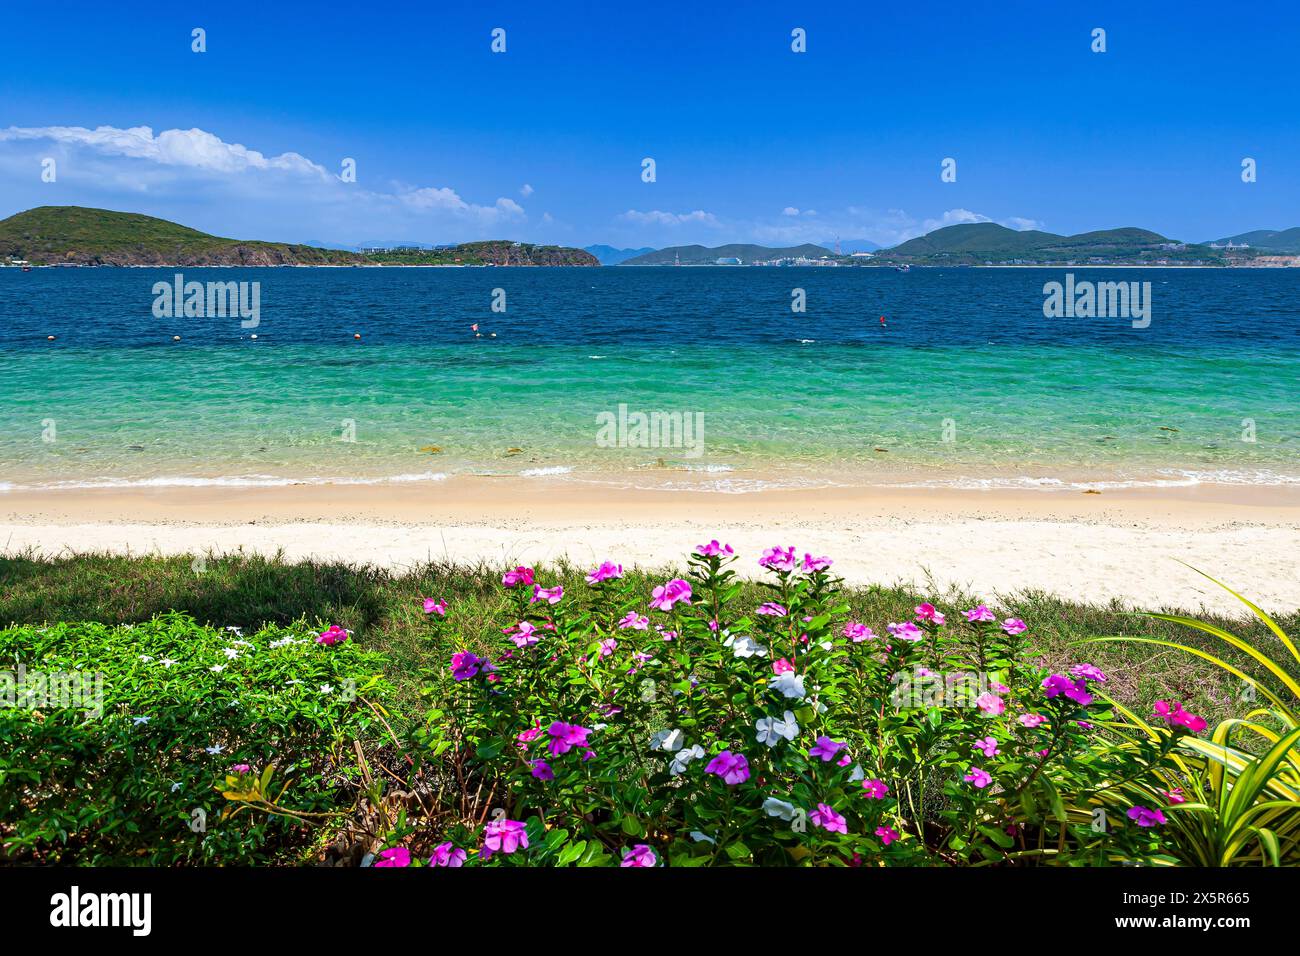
x,y
74,236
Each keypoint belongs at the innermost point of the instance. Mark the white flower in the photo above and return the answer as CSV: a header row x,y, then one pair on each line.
x,y
146,657
215,749
683,757
669,740
231,652
235,630
294,681
175,787
168,662
326,689
137,721
772,729
217,668
778,808
857,774
700,837
789,684
745,646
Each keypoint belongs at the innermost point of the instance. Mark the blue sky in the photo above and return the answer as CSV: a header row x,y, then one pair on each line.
x,y
752,142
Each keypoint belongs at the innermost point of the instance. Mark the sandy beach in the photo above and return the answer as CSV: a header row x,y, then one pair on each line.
x,y
1124,545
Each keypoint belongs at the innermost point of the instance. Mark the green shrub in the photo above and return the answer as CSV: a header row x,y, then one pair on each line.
x,y
136,771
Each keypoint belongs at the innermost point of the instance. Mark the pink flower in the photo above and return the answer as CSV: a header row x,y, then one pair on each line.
x,y
607,571
857,633
1173,714
1076,690
635,621
639,856
782,666
980,613
435,607
772,609
550,595
907,631
531,734
991,704
241,768
825,748
887,835
875,789
713,549
520,575
926,612
812,565
445,854
541,769
465,665
988,746
394,856
778,559
666,595
503,836
608,646
564,737
732,768
1088,672
1146,818
1031,720
1014,626
525,634
335,635
1175,796
826,818
980,778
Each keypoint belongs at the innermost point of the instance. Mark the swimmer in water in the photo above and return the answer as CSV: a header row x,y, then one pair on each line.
x,y
882,321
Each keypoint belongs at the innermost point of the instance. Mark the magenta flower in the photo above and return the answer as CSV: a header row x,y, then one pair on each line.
x,y
907,631
991,704
825,748
1088,672
987,745
606,572
826,818
541,769
857,633
638,622
1172,713
639,856
524,634
1076,690
875,789
466,664
887,835
980,778
980,613
531,734
445,854
713,549
550,595
564,737
503,836
1031,720
778,559
1014,626
608,646
772,609
335,635
394,856
241,768
812,565
435,607
926,612
1175,796
520,575
782,666
1146,818
666,595
732,768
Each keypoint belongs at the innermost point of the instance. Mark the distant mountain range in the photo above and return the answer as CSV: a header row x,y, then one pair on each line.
x,y
609,256
980,242
704,255
1268,240
77,235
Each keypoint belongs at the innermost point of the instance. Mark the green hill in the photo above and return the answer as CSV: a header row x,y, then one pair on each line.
x,y
1267,240
990,242
48,235
704,255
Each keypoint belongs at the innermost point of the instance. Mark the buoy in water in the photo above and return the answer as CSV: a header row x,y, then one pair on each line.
x,y
176,338
356,335
254,335
49,338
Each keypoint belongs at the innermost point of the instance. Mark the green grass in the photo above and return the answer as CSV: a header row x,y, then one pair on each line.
x,y
381,608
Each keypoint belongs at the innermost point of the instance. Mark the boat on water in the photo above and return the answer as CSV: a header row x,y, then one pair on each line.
x,y
903,268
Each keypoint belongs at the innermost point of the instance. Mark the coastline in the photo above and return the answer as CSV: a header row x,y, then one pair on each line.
x,y
1124,544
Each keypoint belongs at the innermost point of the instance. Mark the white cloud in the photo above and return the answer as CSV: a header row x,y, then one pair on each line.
x,y
790,211
525,190
1020,223
656,217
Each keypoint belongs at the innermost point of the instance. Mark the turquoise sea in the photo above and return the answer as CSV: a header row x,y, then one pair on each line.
x,y
967,383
